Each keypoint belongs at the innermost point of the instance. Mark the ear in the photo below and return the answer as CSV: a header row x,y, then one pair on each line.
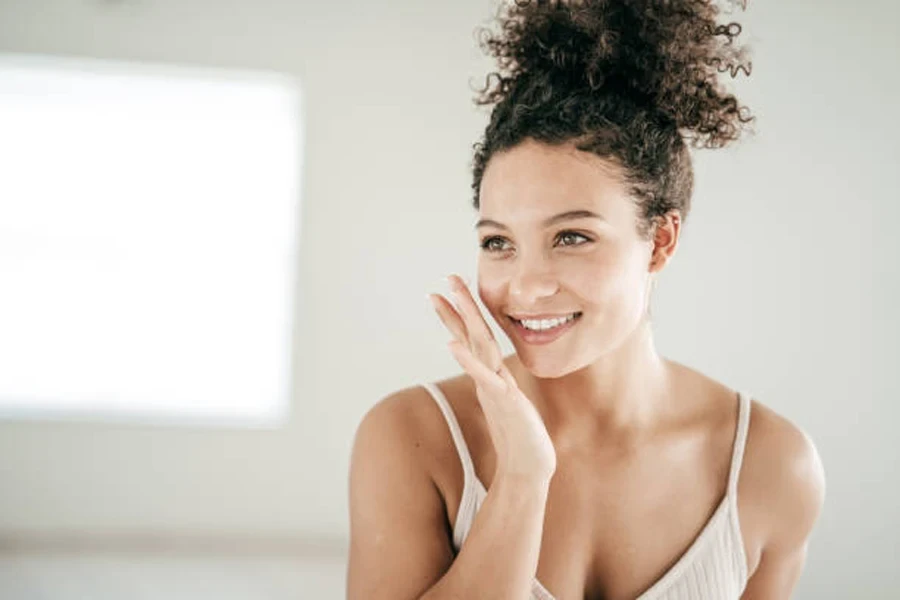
x,y
664,236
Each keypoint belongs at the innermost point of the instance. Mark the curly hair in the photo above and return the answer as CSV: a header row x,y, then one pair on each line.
x,y
636,82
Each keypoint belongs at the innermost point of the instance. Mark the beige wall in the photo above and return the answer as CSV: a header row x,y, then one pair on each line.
x,y
777,288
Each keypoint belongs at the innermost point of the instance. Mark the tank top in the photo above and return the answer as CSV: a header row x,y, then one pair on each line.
x,y
714,567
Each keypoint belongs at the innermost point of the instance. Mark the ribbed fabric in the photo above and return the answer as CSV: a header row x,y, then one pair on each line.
x,y
714,567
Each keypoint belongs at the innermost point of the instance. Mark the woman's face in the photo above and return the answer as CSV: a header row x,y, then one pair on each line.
x,y
561,268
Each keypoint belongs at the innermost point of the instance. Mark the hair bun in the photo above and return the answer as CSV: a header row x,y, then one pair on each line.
x,y
665,56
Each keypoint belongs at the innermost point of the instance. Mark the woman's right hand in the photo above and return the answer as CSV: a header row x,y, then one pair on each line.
x,y
523,446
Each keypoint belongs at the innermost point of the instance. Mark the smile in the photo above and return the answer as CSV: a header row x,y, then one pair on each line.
x,y
544,330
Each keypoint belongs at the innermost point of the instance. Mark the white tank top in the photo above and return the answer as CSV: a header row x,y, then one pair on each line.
x,y
714,567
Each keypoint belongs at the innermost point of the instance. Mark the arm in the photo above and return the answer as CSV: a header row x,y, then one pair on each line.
x,y
400,545
795,489
500,556
776,575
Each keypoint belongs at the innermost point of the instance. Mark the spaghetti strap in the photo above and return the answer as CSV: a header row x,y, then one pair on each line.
x,y
740,441
455,430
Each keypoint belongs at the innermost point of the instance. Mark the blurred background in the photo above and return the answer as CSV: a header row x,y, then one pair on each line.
x,y
219,221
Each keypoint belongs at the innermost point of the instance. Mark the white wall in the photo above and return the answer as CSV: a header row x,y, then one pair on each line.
x,y
783,273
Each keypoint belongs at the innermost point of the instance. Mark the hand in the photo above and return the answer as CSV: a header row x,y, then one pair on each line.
x,y
520,439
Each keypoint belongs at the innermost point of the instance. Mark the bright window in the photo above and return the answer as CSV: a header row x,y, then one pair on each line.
x,y
148,236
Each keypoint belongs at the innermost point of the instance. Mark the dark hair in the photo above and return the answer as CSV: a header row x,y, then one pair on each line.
x,y
634,81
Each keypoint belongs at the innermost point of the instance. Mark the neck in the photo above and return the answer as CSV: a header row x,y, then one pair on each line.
x,y
622,394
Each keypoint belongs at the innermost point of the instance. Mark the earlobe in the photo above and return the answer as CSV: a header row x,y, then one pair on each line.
x,y
657,261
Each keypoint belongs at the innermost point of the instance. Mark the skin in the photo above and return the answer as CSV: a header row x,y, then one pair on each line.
x,y
631,429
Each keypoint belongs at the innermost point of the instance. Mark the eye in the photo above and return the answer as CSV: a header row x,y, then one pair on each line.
x,y
571,238
494,244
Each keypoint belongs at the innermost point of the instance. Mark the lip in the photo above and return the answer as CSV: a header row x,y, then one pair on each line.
x,y
521,317
540,338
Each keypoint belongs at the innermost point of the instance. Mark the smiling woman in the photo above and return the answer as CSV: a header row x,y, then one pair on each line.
x,y
589,466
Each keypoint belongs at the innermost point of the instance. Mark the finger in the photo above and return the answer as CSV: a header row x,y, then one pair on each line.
x,y
468,308
450,318
481,374
481,338
502,371
506,375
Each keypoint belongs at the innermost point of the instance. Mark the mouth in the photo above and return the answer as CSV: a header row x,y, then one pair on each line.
x,y
543,329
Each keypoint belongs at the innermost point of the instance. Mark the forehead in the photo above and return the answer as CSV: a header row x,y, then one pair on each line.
x,y
533,180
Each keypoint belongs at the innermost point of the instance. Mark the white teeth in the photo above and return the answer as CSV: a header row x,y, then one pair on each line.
x,y
545,324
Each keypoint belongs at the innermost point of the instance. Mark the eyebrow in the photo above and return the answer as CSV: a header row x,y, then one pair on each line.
x,y
566,216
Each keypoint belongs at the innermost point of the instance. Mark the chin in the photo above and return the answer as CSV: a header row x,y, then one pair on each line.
x,y
547,367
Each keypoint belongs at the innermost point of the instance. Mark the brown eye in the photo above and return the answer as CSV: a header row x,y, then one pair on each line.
x,y
494,244
571,238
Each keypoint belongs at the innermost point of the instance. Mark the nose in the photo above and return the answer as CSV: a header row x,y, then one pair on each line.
x,y
532,280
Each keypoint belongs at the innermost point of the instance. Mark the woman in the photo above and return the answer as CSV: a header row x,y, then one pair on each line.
x,y
585,465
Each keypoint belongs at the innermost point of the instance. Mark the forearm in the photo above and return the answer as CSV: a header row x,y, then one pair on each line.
x,y
500,555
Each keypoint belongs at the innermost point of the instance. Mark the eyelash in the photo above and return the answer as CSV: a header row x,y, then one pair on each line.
x,y
486,243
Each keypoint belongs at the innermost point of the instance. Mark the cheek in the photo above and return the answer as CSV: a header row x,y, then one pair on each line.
x,y
596,277
491,289
613,282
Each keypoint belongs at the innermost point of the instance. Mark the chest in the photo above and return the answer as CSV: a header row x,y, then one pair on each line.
x,y
617,521
611,536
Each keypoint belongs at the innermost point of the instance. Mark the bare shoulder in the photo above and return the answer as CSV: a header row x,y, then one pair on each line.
x,y
782,481
399,541
413,406
409,425
390,444
399,411
404,420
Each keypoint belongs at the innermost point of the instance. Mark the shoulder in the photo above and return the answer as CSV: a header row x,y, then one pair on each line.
x,y
395,420
412,408
782,481
399,536
408,425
